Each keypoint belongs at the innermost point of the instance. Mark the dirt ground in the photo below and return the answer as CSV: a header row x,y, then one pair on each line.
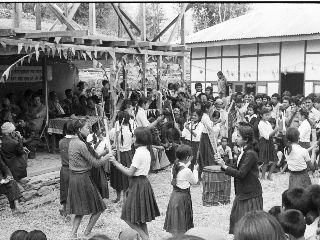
x,y
47,218
44,162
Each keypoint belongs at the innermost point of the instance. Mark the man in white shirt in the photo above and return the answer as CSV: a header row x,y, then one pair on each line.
x,y
314,114
198,87
275,99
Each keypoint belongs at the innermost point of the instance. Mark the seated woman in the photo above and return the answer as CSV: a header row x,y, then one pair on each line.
x,y
55,109
9,187
93,109
79,105
13,152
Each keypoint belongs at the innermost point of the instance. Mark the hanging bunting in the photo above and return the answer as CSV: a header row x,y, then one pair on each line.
x,y
3,44
84,55
53,51
29,58
21,63
89,54
20,46
78,55
106,55
95,54
36,47
48,52
57,40
113,55
65,53
73,51
37,55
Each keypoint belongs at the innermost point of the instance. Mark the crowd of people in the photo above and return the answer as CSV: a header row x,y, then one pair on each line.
x,y
246,135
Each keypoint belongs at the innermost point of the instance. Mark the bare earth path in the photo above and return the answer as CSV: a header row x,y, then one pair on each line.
x,y
47,218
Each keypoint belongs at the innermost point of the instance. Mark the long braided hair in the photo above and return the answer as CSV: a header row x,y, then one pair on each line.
x,y
124,118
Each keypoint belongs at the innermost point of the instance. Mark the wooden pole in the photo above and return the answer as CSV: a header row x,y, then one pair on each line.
x,y
159,72
183,9
45,85
92,18
17,15
183,42
38,16
119,24
143,38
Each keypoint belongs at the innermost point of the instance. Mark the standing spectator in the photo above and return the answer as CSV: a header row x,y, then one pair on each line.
x,y
304,129
198,87
209,91
314,114
275,99
222,85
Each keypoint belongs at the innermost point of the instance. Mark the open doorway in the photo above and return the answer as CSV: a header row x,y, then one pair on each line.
x,y
292,82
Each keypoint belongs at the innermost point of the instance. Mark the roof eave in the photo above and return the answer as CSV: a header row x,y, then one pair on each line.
x,y
255,40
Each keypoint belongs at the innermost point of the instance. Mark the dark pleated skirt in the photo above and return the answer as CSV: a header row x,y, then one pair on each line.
x,y
241,207
118,180
100,180
64,184
299,179
140,205
206,156
267,152
179,216
11,190
83,196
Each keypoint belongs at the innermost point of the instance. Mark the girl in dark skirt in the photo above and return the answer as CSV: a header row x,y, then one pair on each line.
x,y
179,216
298,160
98,147
247,186
267,153
206,153
64,171
192,132
83,196
118,180
140,206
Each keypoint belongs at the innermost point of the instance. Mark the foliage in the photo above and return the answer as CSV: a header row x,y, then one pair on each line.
x,y
208,14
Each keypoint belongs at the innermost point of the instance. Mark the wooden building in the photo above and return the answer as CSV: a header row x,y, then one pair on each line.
x,y
265,51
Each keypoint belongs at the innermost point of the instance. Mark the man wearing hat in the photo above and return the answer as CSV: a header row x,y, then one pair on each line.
x,y
13,152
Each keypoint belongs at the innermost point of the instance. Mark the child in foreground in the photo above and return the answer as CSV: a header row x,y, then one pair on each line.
x,y
179,216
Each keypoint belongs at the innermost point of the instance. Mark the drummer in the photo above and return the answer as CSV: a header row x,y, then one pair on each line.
x,y
248,189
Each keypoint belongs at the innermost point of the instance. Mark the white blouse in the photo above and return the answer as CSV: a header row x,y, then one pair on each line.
x,y
141,118
186,177
297,158
141,161
305,131
197,129
265,129
207,123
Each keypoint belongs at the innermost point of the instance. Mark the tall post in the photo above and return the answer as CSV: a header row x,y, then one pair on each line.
x,y
92,18
183,42
143,38
38,16
17,15
119,25
159,72
45,84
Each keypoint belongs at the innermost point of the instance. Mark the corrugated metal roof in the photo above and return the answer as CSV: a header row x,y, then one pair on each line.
x,y
278,21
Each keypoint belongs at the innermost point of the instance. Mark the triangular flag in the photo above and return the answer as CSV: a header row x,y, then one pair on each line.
x,y
21,62
29,58
113,55
53,51
89,54
73,51
48,51
20,46
37,55
95,54
57,39
4,45
95,63
36,47
65,53
106,55
84,55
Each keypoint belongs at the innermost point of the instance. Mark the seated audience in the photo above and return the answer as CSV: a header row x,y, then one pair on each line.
x,y
93,109
19,235
55,109
13,153
26,101
16,110
293,223
80,105
68,102
36,235
36,114
9,187
6,115
259,225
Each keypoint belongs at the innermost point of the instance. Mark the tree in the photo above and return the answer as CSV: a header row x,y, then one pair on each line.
x,y
208,14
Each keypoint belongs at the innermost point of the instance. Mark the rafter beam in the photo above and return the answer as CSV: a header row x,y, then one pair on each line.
x,y
71,25
169,25
73,7
183,10
124,23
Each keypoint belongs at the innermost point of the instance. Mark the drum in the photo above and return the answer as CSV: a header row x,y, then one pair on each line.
x,y
216,186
